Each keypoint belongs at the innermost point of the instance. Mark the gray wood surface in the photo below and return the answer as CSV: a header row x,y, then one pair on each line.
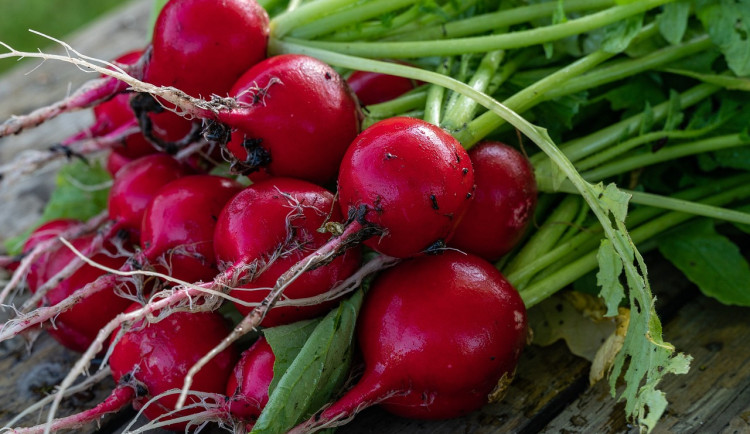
x,y
550,393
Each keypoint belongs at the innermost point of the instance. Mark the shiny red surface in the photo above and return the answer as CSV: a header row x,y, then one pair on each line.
x,y
402,169
248,385
178,225
135,186
305,118
503,204
203,46
77,327
263,222
37,270
438,332
159,356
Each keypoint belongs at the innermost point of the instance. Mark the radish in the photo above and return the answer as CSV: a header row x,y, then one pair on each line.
x,y
176,236
410,179
77,328
503,204
46,232
177,231
403,179
248,385
269,227
439,335
150,359
373,87
136,185
296,117
202,46
157,356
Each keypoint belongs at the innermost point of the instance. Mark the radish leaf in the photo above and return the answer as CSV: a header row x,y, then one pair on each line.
x,y
710,260
320,368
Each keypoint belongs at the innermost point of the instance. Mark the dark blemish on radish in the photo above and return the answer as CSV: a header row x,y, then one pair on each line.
x,y
458,157
376,205
433,199
122,234
465,171
140,390
257,157
217,132
214,218
492,358
468,195
389,156
328,75
435,248
425,398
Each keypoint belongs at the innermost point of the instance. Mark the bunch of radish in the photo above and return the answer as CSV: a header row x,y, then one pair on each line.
x,y
440,333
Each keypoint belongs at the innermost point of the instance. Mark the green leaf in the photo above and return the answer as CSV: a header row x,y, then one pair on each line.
x,y
710,260
674,111
728,24
618,36
286,342
673,21
608,277
81,192
616,201
725,81
320,368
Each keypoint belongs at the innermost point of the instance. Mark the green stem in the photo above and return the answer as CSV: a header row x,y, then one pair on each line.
x,y
627,145
435,94
463,109
627,68
366,31
571,79
509,68
547,236
479,44
411,101
348,17
547,286
505,18
666,154
462,75
286,22
601,139
585,241
487,122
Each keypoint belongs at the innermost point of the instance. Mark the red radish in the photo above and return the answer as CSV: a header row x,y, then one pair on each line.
x,y
158,355
76,328
403,179
202,46
176,236
503,204
150,359
247,387
177,231
272,225
115,162
373,87
136,185
438,334
409,178
296,118
45,232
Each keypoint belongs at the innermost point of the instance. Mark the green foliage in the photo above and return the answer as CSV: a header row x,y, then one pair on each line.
x,y
319,369
728,23
710,260
81,192
674,20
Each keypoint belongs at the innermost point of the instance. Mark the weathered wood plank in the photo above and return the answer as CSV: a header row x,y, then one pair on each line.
x,y
713,397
